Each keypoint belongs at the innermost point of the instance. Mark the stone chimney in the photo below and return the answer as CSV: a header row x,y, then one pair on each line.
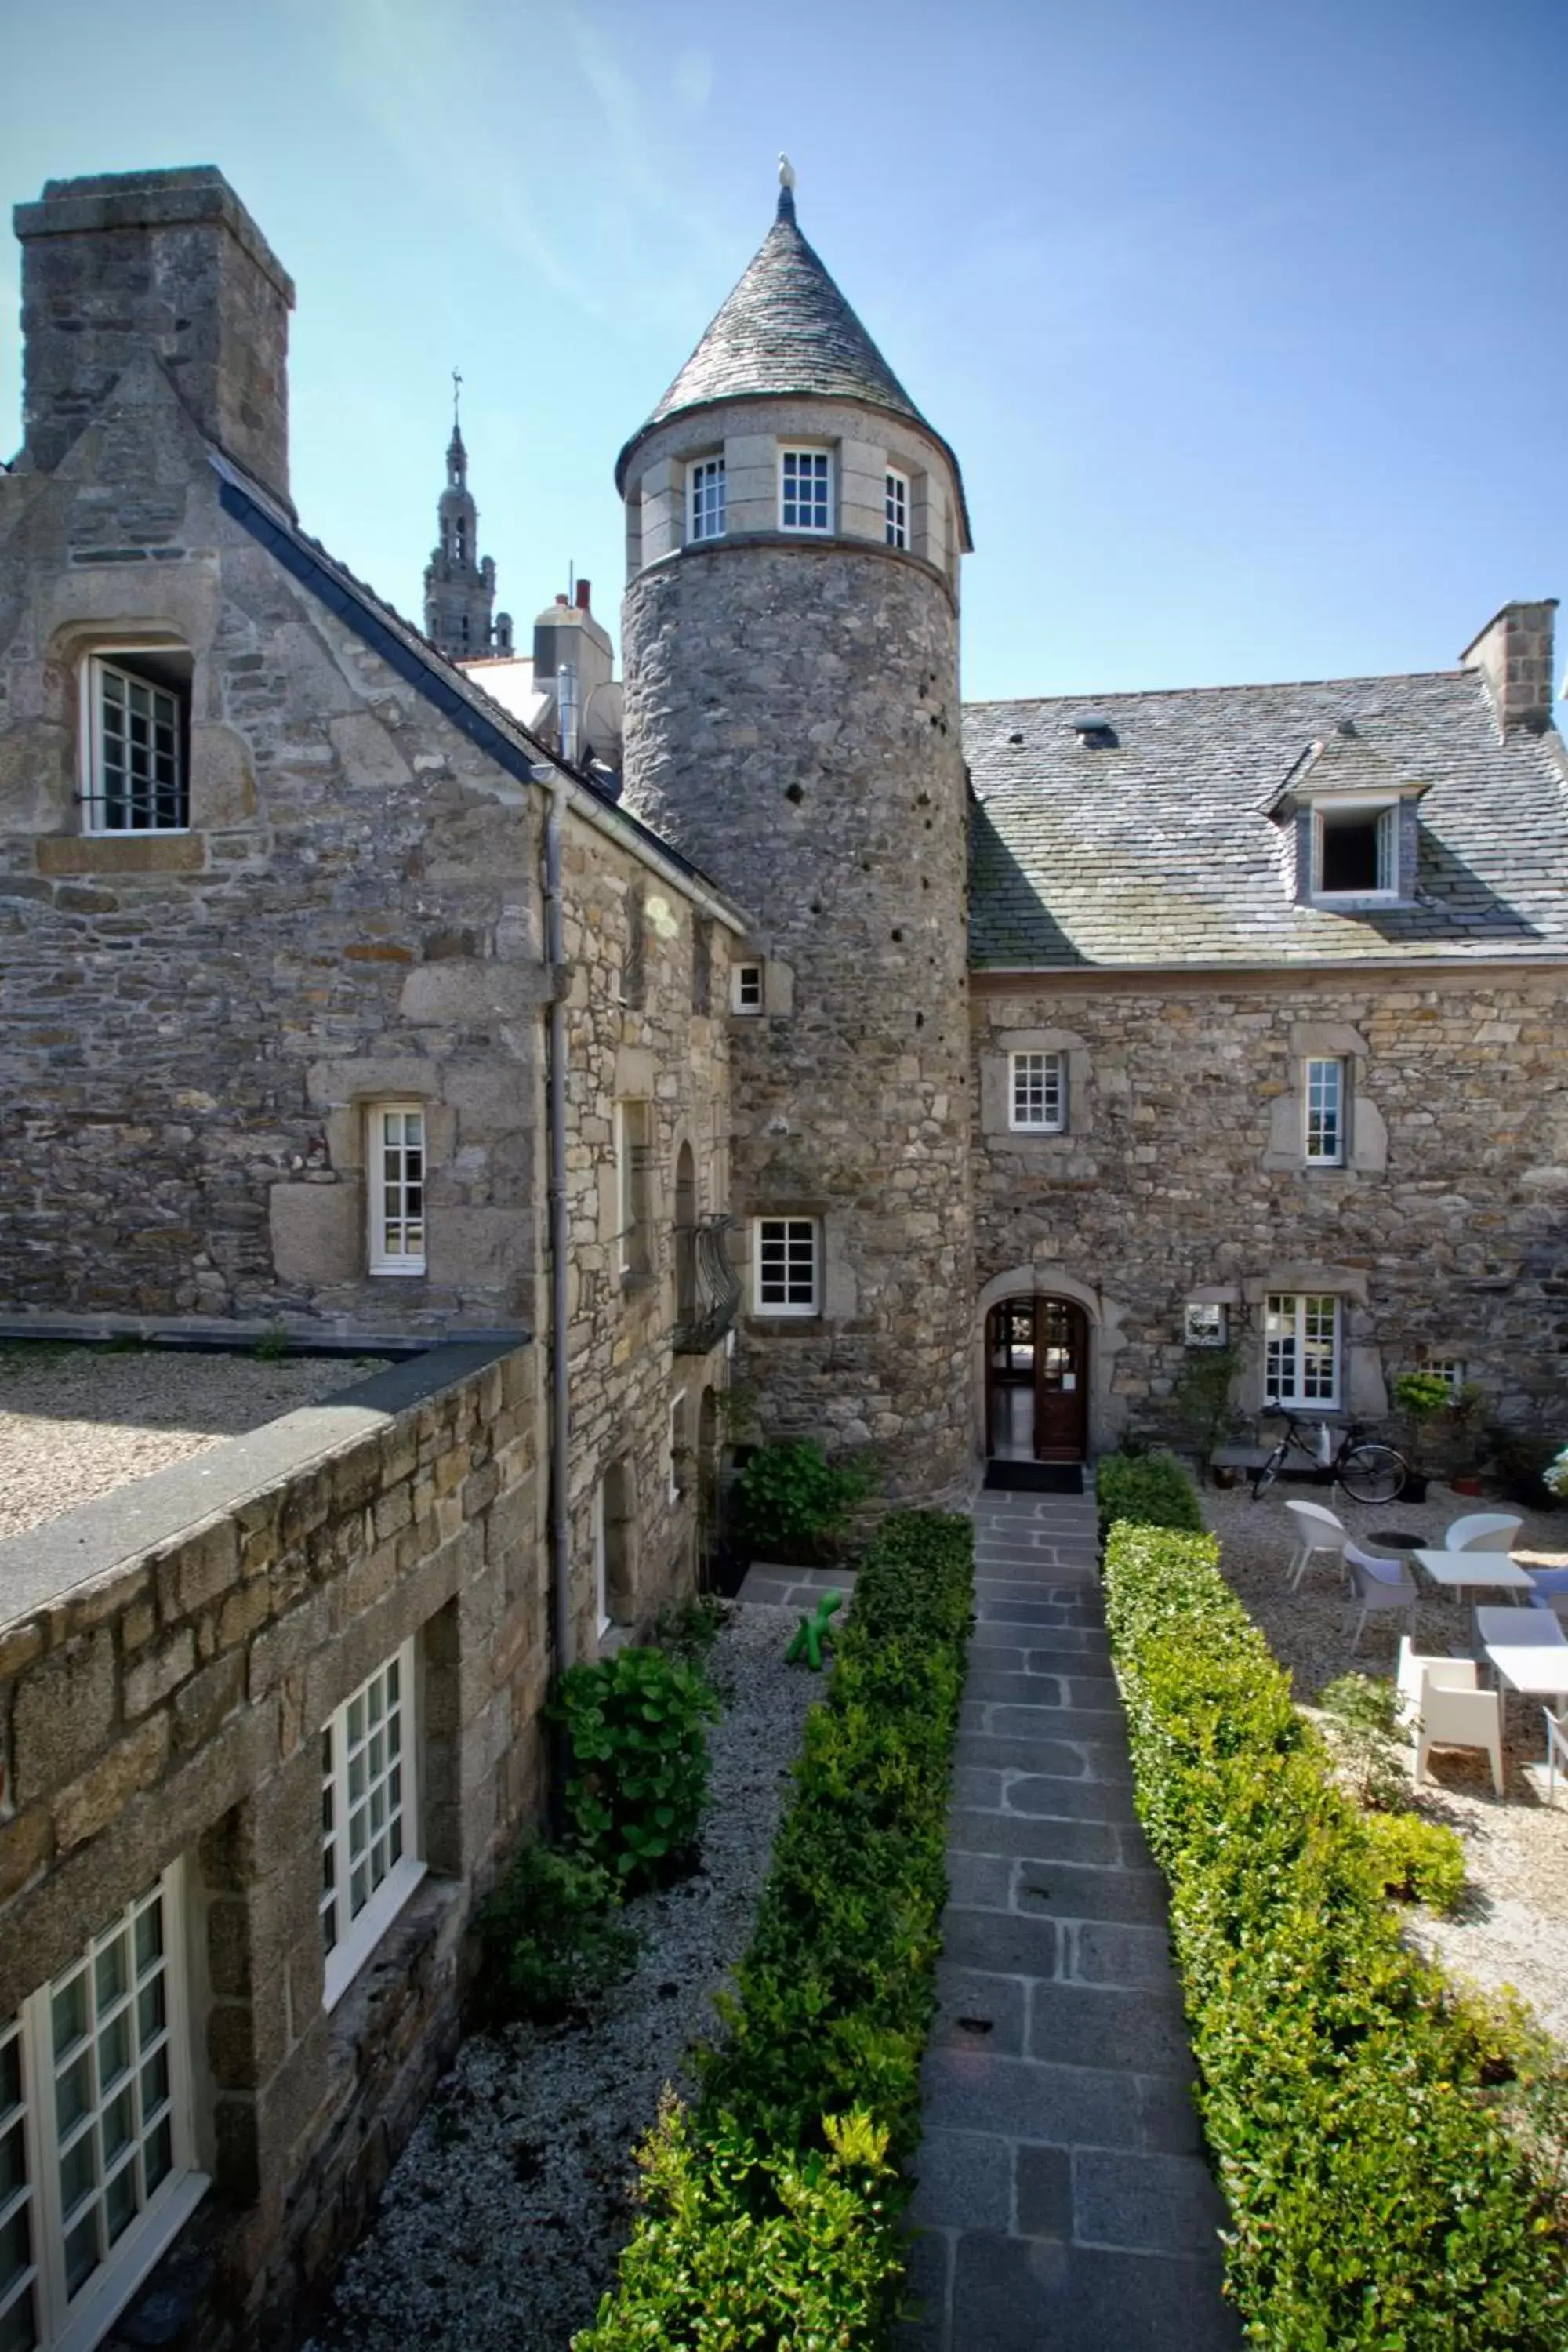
x,y
1513,653
163,261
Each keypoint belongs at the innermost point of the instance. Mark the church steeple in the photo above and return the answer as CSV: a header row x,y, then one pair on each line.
x,y
461,589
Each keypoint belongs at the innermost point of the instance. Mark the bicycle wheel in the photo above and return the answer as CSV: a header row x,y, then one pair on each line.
x,y
1373,1474
1270,1472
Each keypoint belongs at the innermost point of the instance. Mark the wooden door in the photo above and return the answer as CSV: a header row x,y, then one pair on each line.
x,y
1061,1380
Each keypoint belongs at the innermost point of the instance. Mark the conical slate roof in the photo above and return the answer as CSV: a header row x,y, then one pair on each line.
x,y
785,329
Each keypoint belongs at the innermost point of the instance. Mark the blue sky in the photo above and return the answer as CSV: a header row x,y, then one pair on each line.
x,y
1245,318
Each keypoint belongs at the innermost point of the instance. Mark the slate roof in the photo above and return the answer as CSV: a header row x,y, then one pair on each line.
x,y
1159,850
785,328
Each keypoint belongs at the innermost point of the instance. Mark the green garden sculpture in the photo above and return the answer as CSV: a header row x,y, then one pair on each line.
x,y
813,1631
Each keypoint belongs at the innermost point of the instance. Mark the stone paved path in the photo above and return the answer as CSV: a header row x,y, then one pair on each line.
x,y
1063,2203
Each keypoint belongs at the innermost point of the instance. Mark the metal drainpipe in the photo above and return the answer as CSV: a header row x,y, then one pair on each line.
x,y
556,1116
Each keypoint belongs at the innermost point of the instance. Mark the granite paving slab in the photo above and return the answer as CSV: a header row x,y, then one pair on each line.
x,y
1063,2200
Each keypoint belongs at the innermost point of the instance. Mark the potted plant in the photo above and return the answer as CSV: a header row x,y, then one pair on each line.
x,y
1465,1439
1421,1398
1202,1393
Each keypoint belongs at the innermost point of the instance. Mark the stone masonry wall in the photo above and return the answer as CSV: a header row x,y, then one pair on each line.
x,y
194,1024
642,1027
171,1704
792,723
1182,1176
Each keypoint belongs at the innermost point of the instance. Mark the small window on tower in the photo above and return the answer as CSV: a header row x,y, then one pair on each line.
x,y
705,483
805,490
747,988
896,508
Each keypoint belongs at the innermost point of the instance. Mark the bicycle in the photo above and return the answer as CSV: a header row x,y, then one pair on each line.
x,y
1368,1471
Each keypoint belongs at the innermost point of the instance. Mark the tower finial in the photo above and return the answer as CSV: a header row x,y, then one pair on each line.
x,y
456,388
786,188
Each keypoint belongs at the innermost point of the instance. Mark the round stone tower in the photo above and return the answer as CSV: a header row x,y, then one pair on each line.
x,y
795,528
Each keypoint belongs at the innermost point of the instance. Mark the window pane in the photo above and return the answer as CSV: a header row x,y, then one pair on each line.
x,y
1350,850
1325,1110
1038,1090
136,783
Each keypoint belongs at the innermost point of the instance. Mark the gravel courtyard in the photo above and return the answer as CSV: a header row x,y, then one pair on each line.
x,y
1513,1924
76,1422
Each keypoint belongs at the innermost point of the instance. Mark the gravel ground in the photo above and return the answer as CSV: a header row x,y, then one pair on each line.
x,y
76,1422
1513,1924
501,2221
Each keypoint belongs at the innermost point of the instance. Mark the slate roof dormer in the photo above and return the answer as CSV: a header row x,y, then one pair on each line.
x,y
785,329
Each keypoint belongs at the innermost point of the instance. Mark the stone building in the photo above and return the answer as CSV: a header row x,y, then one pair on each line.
x,y
340,1005
958,1071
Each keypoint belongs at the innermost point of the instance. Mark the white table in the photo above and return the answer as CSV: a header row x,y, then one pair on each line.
x,y
1540,1670
1460,1571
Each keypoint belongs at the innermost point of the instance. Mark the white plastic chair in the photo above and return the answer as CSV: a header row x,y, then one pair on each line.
x,y
1549,1589
1452,1717
1451,1673
1482,1531
1379,1584
1556,1737
1316,1531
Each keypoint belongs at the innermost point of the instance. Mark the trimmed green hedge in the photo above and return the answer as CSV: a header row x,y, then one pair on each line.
x,y
770,2214
1151,1488
1377,2199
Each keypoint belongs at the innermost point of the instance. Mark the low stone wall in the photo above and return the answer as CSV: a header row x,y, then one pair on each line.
x,y
166,1703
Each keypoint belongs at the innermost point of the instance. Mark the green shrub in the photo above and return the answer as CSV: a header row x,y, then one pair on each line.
x,y
689,1629
551,1935
1377,2198
1152,1489
1415,1860
793,1498
1360,1715
638,1760
771,2214
734,2248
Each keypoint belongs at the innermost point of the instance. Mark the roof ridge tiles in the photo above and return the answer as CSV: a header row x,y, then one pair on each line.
x,y
1091,699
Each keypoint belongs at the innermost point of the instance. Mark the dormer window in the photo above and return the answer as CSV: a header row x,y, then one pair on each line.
x,y
1357,851
1351,813
805,490
705,499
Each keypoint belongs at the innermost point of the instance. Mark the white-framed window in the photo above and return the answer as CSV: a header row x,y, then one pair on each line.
x,y
601,1564
1446,1367
633,1238
1038,1093
135,707
1205,1324
1324,1091
370,1817
705,499
1301,1349
679,1447
1355,851
805,490
97,2152
395,1157
786,1259
746,988
896,507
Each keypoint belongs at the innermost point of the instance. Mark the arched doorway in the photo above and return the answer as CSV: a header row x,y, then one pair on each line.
x,y
1036,1379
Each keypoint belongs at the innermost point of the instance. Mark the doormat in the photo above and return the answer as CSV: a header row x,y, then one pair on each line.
x,y
1035,1477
